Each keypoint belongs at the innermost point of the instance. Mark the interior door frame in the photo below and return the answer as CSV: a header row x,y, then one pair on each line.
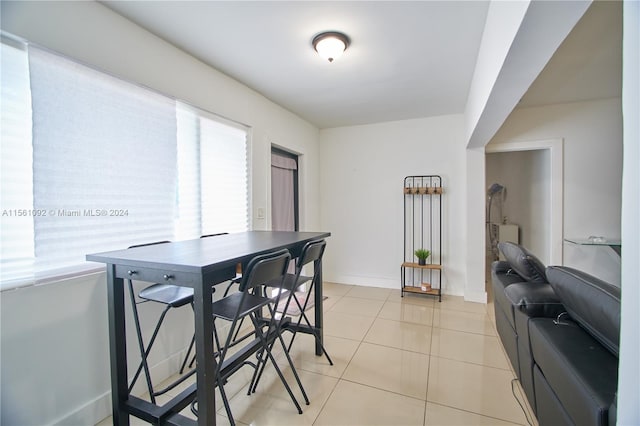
x,y
296,183
556,155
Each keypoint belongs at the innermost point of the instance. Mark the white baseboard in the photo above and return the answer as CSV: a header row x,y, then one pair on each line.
x,y
366,281
479,297
99,408
394,283
91,413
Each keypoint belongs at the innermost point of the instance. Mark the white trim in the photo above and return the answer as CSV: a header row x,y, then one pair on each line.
x,y
556,151
477,297
52,276
392,283
100,408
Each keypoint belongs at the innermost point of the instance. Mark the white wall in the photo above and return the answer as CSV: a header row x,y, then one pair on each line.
x,y
362,200
628,407
55,357
592,133
54,342
475,229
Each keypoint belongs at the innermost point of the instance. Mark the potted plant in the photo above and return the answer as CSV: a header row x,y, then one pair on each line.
x,y
422,255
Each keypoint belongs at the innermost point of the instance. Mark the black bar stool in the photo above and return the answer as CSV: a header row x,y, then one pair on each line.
x,y
249,302
172,296
313,251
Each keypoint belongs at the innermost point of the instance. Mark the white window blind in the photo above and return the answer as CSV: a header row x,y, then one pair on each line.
x,y
223,177
188,223
104,160
96,164
16,183
212,164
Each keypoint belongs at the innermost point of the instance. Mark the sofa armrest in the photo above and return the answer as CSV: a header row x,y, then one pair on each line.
x,y
534,299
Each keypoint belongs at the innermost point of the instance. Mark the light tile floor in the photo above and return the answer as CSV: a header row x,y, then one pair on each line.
x,y
397,361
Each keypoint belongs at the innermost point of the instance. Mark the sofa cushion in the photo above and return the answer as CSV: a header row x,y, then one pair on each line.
x,y
591,302
581,372
534,299
525,263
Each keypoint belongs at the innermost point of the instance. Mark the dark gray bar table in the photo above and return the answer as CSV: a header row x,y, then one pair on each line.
x,y
198,264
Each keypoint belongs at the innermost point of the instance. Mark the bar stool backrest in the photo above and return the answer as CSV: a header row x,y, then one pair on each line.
x,y
264,268
311,252
149,244
214,235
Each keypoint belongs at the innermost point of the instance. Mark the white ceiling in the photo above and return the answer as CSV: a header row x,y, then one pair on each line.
x,y
406,59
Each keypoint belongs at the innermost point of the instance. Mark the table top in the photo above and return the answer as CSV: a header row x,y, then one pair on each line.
x,y
203,254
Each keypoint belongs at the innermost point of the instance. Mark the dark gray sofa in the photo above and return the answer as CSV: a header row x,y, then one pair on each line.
x,y
522,269
560,331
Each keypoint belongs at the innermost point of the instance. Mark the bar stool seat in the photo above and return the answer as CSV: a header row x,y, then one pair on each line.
x,y
237,303
291,282
168,294
171,296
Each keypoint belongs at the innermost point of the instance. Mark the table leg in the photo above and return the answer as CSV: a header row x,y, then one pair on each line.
x,y
206,364
318,311
117,347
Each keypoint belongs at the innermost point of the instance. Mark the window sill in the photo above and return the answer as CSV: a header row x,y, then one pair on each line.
x,y
52,277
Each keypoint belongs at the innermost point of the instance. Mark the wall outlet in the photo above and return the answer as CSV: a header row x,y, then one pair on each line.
x,y
260,213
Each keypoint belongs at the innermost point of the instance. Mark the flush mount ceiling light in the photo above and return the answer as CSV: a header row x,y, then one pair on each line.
x,y
330,45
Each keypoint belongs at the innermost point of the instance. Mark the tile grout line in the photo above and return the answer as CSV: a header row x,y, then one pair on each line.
x,y
426,396
360,343
340,379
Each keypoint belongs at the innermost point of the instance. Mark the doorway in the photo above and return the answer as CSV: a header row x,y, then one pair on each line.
x,y
532,173
284,191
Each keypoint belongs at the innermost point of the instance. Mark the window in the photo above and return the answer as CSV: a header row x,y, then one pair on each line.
x,y
16,153
91,163
212,165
